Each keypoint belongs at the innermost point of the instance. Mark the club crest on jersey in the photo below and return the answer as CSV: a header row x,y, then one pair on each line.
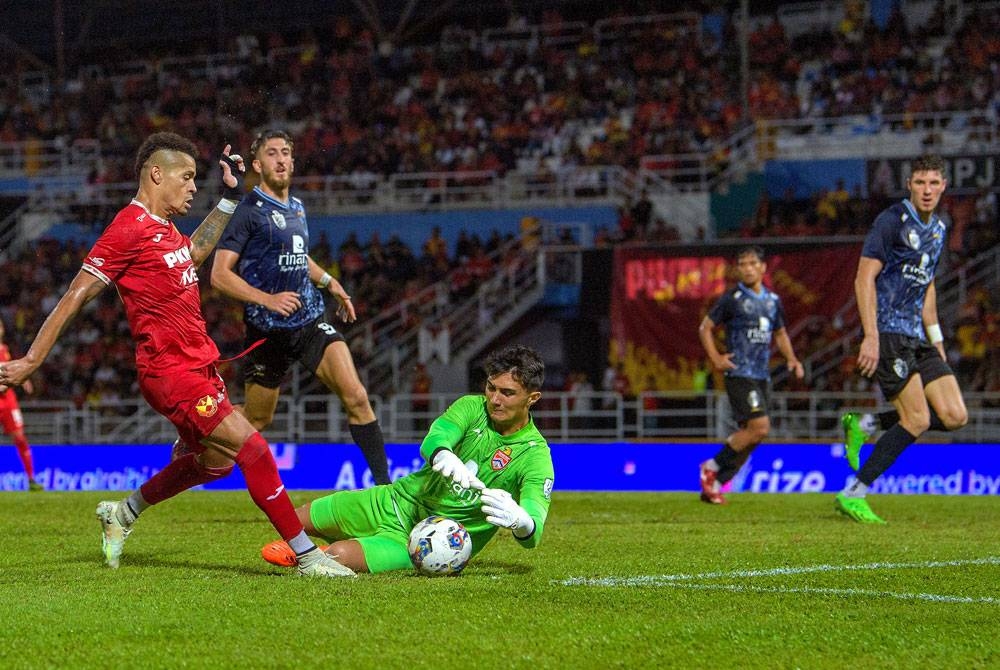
x,y
912,238
279,220
500,459
207,406
900,367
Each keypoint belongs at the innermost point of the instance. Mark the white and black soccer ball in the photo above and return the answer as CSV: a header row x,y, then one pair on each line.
x,y
439,546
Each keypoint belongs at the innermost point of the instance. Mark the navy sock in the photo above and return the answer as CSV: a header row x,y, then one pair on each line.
x,y
369,437
730,462
888,448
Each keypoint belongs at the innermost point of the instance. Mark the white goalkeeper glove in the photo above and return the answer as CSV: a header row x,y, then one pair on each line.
x,y
502,510
447,464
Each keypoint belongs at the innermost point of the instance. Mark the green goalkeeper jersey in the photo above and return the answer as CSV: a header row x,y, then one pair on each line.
x,y
520,463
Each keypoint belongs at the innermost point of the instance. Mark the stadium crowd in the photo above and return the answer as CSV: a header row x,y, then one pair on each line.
x,y
657,86
466,102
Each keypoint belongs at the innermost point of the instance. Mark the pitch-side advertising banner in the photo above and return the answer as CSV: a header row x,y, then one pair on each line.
x,y
953,469
658,300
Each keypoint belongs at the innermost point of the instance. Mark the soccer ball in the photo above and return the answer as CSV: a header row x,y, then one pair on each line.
x,y
439,546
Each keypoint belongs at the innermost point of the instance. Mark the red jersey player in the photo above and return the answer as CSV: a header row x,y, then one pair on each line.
x,y
11,421
154,268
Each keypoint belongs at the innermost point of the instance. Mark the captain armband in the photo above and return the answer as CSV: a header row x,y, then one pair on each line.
x,y
934,333
325,280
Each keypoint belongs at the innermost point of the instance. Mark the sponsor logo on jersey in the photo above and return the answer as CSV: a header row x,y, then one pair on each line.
x,y
207,406
900,367
174,258
279,220
298,244
189,276
500,459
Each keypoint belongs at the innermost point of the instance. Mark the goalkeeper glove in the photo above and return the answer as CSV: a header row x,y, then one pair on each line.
x,y
236,169
447,464
502,510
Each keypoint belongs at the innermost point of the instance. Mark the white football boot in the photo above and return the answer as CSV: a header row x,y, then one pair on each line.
x,y
113,533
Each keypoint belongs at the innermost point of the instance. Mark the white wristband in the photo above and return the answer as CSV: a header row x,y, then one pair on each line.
x,y
934,333
325,280
226,206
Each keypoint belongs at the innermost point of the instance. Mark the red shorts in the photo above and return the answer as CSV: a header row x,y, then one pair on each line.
x,y
195,401
10,413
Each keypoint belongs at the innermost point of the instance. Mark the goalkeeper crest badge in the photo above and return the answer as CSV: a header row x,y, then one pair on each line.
x,y
501,457
207,406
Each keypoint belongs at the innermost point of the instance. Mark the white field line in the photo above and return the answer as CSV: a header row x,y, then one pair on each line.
x,y
932,597
668,580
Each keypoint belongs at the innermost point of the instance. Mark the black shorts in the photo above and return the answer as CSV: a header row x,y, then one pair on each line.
x,y
901,356
748,397
268,364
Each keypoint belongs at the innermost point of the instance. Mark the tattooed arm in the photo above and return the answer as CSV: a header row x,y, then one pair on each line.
x,y
207,234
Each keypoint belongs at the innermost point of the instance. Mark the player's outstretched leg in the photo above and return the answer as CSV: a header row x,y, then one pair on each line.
x,y
710,490
179,449
318,563
115,529
854,438
856,509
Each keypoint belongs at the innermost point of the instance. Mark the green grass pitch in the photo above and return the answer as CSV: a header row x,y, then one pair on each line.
x,y
640,580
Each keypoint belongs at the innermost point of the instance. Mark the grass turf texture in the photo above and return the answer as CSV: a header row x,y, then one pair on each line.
x,y
192,591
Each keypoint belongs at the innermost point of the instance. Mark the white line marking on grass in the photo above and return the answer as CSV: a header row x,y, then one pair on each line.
x,y
664,580
738,588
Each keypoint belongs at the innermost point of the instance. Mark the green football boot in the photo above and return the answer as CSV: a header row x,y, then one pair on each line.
x,y
856,508
854,438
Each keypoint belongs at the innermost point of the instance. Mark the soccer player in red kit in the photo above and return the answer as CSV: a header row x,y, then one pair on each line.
x,y
13,423
154,268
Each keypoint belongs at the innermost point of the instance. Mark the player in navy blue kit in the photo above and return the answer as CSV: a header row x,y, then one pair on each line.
x,y
752,315
903,345
263,260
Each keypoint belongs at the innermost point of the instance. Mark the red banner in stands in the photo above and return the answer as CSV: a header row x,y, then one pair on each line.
x,y
658,300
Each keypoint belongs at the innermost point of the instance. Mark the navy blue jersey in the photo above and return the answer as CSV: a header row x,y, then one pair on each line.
x,y
750,320
909,250
272,239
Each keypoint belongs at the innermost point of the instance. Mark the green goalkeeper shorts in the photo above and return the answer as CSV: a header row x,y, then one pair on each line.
x,y
370,517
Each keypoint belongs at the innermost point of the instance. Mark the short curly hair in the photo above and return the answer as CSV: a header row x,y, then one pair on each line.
x,y
168,141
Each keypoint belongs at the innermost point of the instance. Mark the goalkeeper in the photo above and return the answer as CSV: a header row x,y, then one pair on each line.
x,y
487,467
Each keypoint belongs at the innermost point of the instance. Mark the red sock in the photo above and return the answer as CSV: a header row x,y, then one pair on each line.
x,y
24,451
265,486
178,476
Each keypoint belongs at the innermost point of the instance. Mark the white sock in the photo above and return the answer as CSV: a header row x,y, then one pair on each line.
x,y
856,489
868,423
301,544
